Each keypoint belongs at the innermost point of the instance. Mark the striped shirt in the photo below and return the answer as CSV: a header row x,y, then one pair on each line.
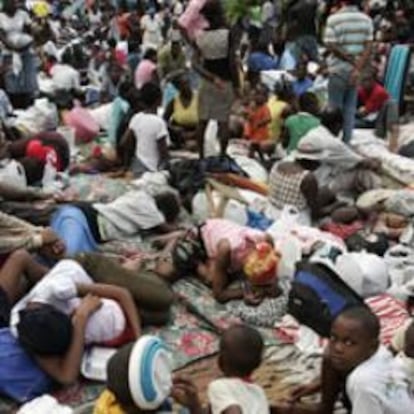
x,y
349,29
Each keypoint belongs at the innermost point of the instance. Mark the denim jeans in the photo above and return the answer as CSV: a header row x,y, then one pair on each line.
x,y
344,96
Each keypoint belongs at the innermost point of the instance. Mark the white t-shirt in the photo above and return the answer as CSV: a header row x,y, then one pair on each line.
x,y
58,289
374,387
128,214
225,392
65,77
148,130
15,23
398,343
152,37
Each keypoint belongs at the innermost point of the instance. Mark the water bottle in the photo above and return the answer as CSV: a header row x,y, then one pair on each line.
x,y
49,173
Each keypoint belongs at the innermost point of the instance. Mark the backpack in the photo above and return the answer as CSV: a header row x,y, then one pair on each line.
x,y
20,378
318,295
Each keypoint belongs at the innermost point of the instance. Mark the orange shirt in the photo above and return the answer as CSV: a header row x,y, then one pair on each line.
x,y
256,128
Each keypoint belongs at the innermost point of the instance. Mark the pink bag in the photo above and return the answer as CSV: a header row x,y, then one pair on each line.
x,y
191,20
86,128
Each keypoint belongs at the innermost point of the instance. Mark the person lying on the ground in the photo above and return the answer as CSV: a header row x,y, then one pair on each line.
x,y
152,295
341,169
52,324
356,363
16,234
84,225
220,252
33,153
125,384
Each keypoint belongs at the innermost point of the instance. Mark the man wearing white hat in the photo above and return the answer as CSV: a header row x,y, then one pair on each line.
x,y
341,169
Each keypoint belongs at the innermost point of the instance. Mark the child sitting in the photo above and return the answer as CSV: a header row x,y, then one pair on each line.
x,y
140,380
357,362
147,135
240,355
303,82
256,128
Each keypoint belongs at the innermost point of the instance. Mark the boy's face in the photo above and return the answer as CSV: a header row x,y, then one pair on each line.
x,y
260,97
349,344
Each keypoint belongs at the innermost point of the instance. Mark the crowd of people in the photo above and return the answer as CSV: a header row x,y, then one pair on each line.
x,y
240,131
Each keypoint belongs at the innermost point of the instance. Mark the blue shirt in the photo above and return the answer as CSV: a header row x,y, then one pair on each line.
x,y
259,61
301,86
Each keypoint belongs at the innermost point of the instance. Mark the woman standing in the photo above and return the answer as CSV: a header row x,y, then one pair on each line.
x,y
215,61
19,59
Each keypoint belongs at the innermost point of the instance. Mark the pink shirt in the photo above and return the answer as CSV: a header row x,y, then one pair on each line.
x,y
144,72
240,238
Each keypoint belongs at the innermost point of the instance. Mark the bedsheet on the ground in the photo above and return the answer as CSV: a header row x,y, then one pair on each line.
x,y
193,334
97,187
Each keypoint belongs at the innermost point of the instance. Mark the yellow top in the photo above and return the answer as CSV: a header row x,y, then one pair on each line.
x,y
186,116
107,404
276,108
41,9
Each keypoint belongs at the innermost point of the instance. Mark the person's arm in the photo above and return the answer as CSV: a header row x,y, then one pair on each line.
x,y
169,110
220,281
17,234
126,148
65,370
360,62
264,122
118,294
284,135
394,137
337,51
166,228
234,409
197,65
309,188
13,193
185,393
163,151
234,63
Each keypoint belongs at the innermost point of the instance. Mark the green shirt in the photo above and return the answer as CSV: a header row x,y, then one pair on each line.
x,y
167,63
298,126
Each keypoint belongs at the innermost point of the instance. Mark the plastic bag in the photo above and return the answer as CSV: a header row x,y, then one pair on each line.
x,y
12,172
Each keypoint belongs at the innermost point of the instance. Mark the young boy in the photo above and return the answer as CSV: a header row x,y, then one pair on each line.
x,y
240,355
148,133
356,361
140,381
